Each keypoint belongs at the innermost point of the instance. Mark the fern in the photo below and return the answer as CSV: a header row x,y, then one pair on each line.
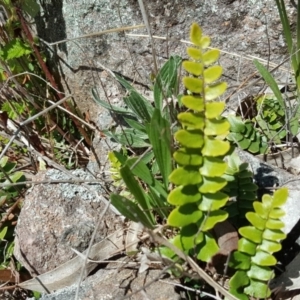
x,y
240,188
259,241
197,197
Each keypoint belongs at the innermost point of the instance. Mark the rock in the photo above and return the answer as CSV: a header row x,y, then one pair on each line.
x,y
237,27
115,282
267,176
58,217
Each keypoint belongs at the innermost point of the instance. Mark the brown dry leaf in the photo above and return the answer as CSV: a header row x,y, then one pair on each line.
x,y
227,237
9,275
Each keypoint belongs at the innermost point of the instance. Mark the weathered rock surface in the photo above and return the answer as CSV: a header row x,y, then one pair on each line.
x,y
56,218
240,28
115,282
268,176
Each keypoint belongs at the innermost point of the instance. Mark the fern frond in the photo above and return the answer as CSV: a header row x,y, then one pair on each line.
x,y
256,247
200,158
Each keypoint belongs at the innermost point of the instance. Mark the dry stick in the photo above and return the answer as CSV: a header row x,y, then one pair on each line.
x,y
146,21
133,61
11,77
95,34
83,270
71,181
247,57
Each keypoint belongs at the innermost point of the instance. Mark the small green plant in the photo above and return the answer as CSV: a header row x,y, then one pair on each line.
x,y
256,247
271,119
246,135
240,188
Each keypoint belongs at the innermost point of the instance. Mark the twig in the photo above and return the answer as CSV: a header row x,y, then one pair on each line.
x,y
94,34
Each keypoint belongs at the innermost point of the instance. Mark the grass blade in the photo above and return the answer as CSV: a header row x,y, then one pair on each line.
x,y
160,139
270,81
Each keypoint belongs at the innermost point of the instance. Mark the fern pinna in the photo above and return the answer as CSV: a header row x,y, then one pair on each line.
x,y
200,157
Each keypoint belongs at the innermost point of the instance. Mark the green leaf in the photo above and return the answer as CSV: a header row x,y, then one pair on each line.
x,y
3,233
15,49
213,147
211,56
195,85
192,67
212,74
263,258
214,109
17,176
160,138
237,282
239,260
274,224
31,7
129,137
130,210
260,273
194,53
184,194
185,176
188,238
269,246
135,124
139,105
251,233
216,127
256,220
205,42
213,218
212,184
280,197
245,144
193,102
274,235
184,215
247,246
236,124
166,81
257,289
196,34
191,120
135,189
276,213
140,170
207,248
3,161
270,81
190,138
188,157
211,202
215,90
213,166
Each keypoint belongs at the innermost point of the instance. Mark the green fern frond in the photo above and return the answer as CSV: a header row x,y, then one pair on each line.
x,y
256,247
200,158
